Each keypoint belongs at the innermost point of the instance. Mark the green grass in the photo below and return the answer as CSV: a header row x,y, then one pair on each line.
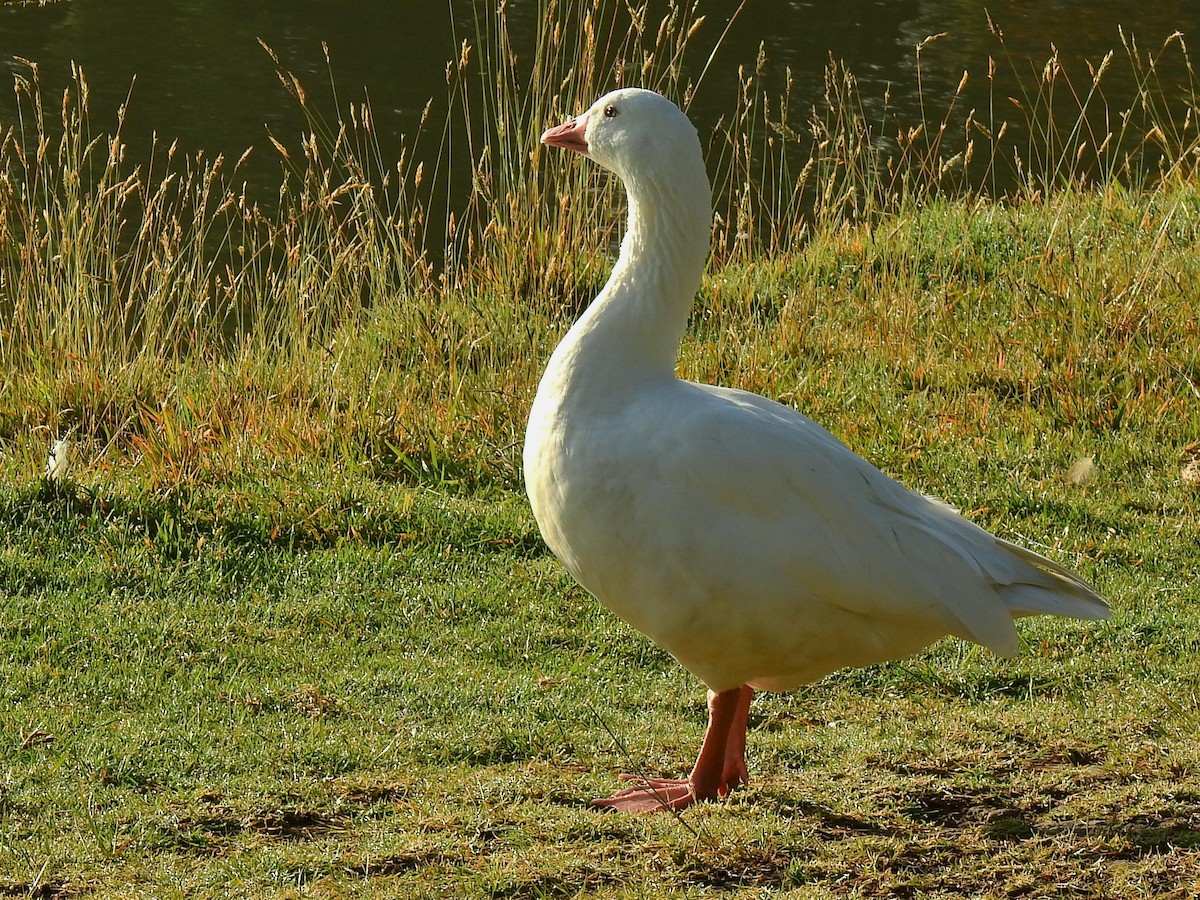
x,y
325,684
323,677
322,683
289,630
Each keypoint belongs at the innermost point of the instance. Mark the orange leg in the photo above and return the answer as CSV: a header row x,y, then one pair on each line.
x,y
720,767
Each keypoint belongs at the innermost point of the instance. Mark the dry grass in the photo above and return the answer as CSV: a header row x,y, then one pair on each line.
x,y
170,320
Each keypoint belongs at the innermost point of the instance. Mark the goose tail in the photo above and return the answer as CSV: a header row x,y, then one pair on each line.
x,y
1051,589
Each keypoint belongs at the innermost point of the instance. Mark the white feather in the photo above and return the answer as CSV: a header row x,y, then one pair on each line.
x,y
58,466
738,534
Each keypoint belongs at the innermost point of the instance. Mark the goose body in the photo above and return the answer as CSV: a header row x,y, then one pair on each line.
x,y
736,533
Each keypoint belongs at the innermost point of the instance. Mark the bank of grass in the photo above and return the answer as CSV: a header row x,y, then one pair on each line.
x,y
322,682
288,628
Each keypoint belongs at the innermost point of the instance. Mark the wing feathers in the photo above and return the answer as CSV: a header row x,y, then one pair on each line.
x,y
864,543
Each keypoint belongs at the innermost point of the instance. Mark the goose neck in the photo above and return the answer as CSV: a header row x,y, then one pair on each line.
x,y
644,308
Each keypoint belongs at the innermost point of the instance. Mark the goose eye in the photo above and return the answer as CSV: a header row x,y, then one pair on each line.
x,y
611,112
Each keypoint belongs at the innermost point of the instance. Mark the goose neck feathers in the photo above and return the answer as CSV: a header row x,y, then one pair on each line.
x,y
639,317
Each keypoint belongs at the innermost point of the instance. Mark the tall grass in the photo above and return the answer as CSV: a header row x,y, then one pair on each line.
x,y
785,166
178,325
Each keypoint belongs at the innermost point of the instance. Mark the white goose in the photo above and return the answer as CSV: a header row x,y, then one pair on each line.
x,y
737,534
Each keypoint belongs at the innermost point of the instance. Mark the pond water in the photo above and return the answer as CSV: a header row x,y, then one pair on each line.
x,y
194,69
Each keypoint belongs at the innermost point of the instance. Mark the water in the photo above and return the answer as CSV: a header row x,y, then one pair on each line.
x,y
199,75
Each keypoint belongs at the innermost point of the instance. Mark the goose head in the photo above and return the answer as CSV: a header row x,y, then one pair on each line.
x,y
641,136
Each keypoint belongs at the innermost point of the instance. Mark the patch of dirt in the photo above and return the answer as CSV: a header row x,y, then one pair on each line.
x,y
834,825
209,832
43,890
399,865
967,809
750,869
362,795
1154,834
292,824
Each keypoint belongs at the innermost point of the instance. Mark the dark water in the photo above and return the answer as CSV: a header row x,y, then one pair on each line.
x,y
202,77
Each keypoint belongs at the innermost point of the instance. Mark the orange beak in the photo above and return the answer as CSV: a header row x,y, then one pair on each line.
x,y
568,135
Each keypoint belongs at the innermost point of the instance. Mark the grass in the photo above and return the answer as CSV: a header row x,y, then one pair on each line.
x,y
330,684
289,629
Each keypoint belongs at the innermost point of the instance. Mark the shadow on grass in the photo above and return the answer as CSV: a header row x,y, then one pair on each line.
x,y
834,825
179,524
49,890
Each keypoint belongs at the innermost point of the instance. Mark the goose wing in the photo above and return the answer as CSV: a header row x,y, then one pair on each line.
x,y
779,497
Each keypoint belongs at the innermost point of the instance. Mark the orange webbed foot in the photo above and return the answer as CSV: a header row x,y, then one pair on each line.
x,y
650,795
